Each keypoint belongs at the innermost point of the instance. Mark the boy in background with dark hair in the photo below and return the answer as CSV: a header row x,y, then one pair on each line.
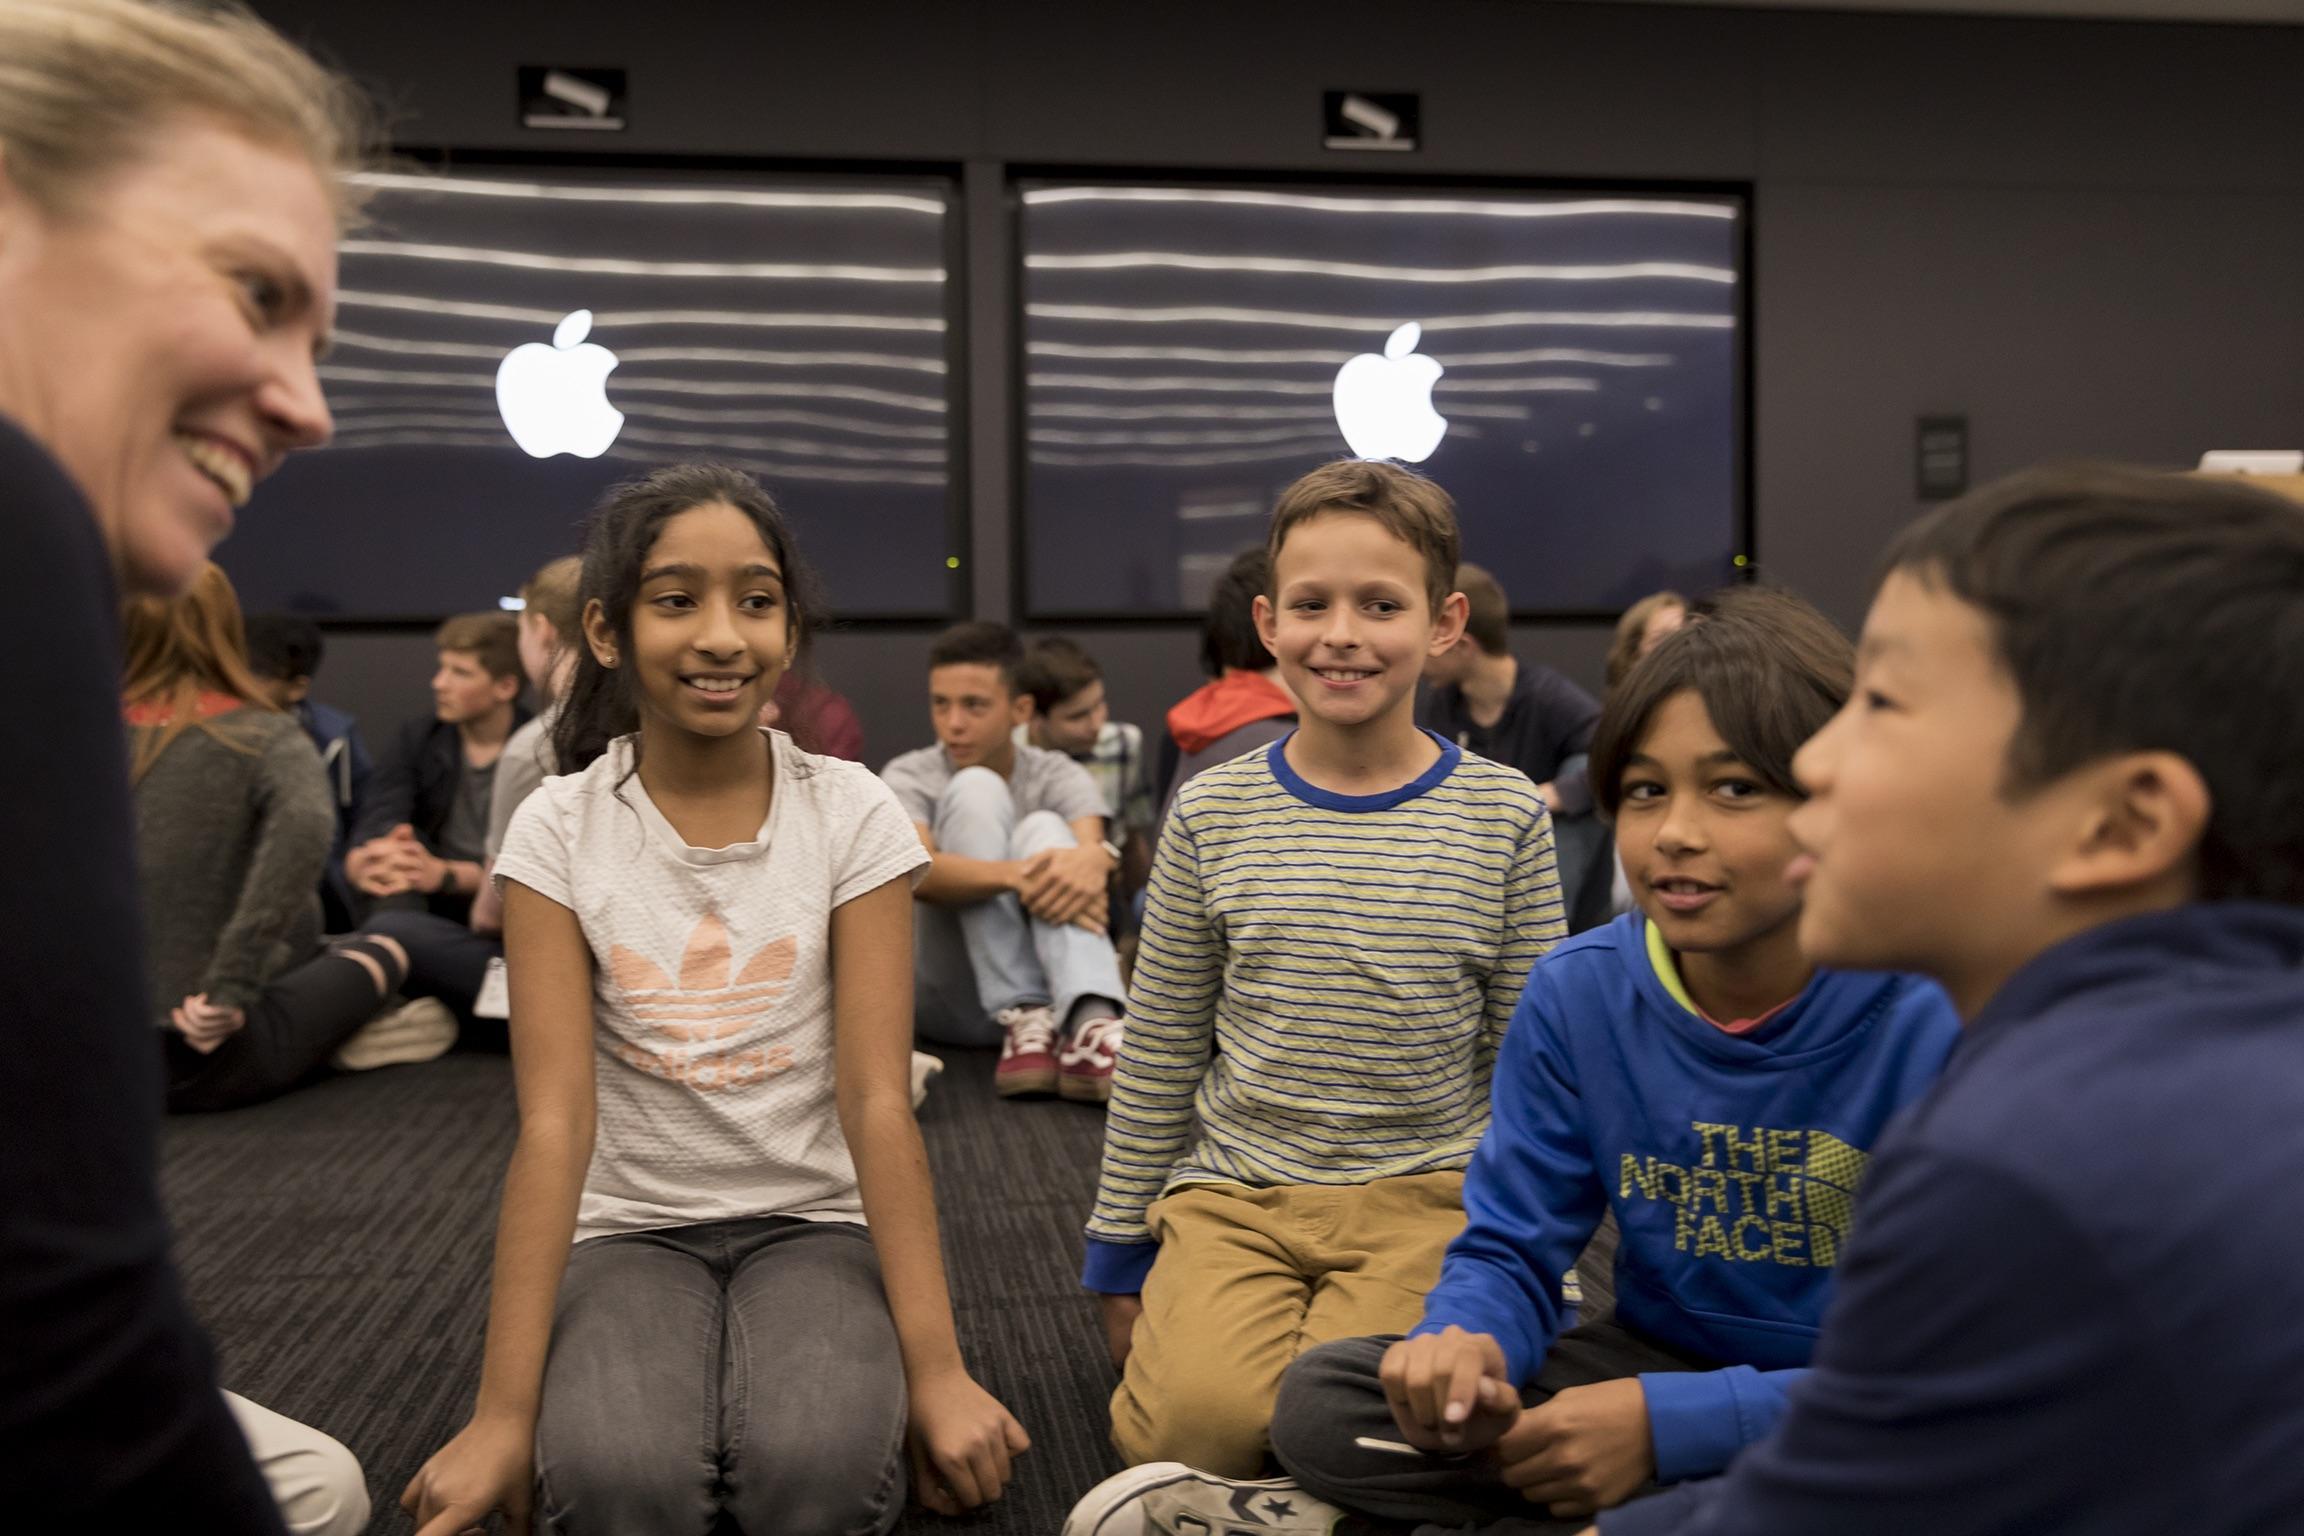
x,y
1243,706
1338,929
1071,715
285,651
423,826
1011,942
2066,788
1482,697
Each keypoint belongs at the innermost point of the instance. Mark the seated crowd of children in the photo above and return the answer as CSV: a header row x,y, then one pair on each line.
x,y
1948,974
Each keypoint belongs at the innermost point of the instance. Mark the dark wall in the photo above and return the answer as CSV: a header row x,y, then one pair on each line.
x,y
2081,235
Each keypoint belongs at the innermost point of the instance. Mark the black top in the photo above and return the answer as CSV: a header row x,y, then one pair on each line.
x,y
110,1418
416,781
1546,721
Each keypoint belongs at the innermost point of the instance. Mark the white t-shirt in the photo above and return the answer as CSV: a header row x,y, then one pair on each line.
x,y
712,985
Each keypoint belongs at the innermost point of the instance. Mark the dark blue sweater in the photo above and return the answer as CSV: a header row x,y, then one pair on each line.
x,y
2075,1302
1731,1162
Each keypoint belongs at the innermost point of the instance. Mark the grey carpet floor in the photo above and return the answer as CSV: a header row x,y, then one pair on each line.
x,y
336,1243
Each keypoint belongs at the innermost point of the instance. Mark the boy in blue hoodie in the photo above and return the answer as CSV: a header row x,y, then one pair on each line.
x,y
1684,1066
2067,788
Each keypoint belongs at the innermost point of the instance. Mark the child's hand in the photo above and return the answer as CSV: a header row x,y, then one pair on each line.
x,y
490,1465
206,1025
962,1443
1448,1390
1065,885
1586,1449
1119,1314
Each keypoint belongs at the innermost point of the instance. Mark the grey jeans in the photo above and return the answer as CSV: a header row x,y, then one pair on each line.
x,y
1333,1395
970,962
736,1371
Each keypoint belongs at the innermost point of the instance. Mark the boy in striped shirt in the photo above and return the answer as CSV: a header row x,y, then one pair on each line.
x,y
1338,929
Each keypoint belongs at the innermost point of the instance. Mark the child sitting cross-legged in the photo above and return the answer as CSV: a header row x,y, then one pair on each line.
x,y
1338,926
1683,1066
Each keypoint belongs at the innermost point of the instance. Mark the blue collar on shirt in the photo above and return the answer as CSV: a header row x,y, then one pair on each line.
x,y
1329,800
2223,935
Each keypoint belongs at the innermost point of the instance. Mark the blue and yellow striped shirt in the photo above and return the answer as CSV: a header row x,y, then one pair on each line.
x,y
1322,984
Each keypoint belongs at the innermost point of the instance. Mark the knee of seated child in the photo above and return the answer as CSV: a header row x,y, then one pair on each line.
x,y
1208,1420
324,1493
614,1488
817,1492
1308,1431
1041,829
971,784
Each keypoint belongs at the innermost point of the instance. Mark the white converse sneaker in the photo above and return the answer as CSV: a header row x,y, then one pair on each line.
x,y
414,1031
924,1071
1167,1498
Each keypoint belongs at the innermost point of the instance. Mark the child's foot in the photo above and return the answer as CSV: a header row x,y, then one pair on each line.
x,y
1028,1055
1167,1498
924,1070
1084,1066
412,1032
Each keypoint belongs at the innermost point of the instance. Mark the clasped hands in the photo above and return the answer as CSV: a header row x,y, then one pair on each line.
x,y
396,863
1068,886
205,1025
1582,1450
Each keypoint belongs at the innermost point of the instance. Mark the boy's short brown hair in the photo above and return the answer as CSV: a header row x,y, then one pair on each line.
x,y
1770,669
1055,669
1488,612
554,594
492,638
1411,508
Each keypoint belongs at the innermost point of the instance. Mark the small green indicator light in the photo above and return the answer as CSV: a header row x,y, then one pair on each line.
x,y
952,562
1743,561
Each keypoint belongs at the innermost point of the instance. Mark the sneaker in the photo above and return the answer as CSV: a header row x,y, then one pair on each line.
x,y
1084,1066
412,1032
1028,1054
924,1070
1167,1498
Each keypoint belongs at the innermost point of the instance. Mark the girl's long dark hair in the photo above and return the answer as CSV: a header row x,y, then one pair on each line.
x,y
617,539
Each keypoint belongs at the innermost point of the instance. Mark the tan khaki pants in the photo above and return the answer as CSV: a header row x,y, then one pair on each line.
x,y
1248,1279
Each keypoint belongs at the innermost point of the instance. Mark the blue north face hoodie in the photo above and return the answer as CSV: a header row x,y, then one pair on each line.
x,y
1731,1163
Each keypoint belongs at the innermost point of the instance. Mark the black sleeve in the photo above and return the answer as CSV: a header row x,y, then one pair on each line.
x,y
1980,1372
390,796
1570,714
110,1417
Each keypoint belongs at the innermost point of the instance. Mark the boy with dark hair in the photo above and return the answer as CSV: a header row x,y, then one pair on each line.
x,y
2065,787
285,651
423,827
1483,697
1012,944
1242,707
1071,715
1338,928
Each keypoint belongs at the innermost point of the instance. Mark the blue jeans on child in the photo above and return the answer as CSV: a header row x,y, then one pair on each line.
x,y
971,962
746,1369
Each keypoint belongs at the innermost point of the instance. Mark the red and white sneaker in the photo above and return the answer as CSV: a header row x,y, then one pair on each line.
x,y
1084,1065
1028,1055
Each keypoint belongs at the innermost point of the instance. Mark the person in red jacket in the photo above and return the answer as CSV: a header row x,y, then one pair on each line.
x,y
1244,706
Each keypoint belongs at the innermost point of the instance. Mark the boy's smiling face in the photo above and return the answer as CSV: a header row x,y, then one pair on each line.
x,y
1351,624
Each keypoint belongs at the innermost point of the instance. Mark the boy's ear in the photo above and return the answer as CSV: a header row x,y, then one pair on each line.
x,y
599,635
2143,815
1267,623
1021,709
1448,624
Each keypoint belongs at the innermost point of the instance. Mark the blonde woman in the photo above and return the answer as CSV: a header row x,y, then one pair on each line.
x,y
169,204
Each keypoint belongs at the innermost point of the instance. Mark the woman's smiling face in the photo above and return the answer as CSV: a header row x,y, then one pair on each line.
x,y
160,336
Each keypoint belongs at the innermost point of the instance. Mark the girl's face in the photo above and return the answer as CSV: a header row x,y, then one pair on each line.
x,y
711,632
1703,838
160,338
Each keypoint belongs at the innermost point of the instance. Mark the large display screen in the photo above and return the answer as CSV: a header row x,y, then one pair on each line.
x,y
1568,365
511,342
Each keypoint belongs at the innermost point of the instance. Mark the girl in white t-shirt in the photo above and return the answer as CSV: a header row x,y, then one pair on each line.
x,y
708,934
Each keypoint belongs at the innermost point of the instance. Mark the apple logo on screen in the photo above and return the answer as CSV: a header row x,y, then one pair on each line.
x,y
554,399
1384,404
